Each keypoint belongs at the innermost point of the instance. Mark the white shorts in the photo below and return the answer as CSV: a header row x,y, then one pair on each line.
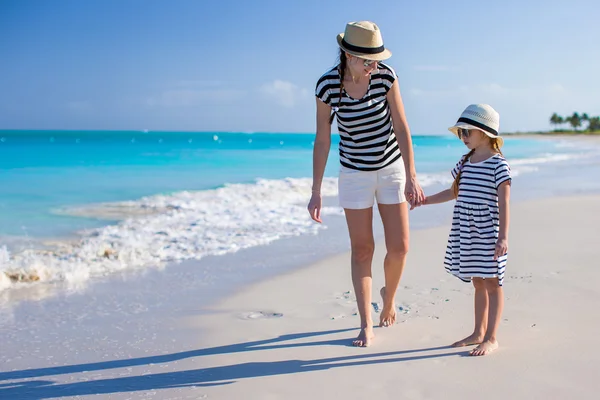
x,y
358,189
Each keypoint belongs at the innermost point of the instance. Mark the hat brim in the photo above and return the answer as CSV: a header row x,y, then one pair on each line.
x,y
384,55
464,125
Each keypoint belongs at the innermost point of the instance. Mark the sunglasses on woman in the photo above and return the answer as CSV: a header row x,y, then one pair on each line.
x,y
464,133
368,63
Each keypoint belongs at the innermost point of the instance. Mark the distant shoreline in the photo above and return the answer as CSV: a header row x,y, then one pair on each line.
x,y
552,133
155,132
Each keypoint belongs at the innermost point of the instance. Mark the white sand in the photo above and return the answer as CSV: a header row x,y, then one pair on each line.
x,y
548,337
245,349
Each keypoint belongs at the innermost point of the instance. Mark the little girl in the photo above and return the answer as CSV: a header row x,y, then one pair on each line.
x,y
478,241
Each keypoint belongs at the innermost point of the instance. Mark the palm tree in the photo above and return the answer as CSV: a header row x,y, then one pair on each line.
x,y
556,119
594,124
575,120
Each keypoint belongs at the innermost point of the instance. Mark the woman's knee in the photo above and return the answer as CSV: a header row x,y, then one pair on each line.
x,y
363,251
398,249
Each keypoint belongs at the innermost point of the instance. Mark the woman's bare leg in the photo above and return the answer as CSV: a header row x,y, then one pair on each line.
x,y
395,225
362,243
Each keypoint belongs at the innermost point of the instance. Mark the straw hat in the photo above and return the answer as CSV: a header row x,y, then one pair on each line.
x,y
363,39
482,117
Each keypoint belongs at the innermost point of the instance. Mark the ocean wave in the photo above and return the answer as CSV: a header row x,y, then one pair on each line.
x,y
186,225
175,227
435,179
546,158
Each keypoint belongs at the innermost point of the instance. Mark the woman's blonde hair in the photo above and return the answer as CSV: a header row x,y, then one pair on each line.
x,y
495,145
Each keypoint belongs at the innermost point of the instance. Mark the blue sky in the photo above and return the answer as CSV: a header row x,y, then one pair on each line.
x,y
248,66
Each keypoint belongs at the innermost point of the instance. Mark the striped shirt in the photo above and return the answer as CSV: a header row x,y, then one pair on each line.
x,y
367,140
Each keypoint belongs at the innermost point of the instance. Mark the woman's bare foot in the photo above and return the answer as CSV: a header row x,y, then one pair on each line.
x,y
469,341
388,313
364,338
484,348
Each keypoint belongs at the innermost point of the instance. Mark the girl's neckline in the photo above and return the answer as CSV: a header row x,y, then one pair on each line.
x,y
482,161
364,95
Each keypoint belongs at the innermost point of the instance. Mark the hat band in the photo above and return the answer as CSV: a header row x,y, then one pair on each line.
x,y
478,124
365,50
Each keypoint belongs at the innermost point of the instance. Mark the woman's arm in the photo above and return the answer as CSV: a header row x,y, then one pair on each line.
x,y
320,154
441,197
504,205
413,190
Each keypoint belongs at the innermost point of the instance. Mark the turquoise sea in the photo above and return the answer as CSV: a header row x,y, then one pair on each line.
x,y
80,204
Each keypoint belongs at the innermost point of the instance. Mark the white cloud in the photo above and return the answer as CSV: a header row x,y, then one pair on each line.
x,y
285,93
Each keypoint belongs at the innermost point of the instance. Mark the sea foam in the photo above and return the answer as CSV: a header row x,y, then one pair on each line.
x,y
155,230
174,227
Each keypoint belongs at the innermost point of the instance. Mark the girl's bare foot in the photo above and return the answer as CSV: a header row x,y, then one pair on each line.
x,y
364,338
475,338
484,348
388,314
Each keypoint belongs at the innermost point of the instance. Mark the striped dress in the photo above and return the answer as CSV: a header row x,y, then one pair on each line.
x,y
476,220
367,140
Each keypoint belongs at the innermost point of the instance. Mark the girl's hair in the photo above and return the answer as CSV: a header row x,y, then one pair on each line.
x,y
494,143
342,70
454,187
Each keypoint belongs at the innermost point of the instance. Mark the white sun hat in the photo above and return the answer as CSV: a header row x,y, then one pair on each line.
x,y
482,117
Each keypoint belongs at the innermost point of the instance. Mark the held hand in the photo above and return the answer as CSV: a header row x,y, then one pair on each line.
x,y
314,207
501,248
414,193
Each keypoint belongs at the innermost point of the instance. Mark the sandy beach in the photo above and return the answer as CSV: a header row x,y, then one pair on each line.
x,y
161,164
288,337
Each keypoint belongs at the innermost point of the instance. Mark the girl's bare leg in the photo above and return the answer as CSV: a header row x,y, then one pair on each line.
x,y
496,305
481,315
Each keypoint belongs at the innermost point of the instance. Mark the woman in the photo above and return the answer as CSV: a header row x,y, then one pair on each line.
x,y
376,159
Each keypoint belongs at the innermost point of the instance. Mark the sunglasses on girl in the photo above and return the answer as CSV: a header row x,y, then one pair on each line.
x,y
464,133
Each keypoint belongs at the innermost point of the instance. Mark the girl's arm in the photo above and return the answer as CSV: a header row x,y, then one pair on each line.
x,y
441,197
320,154
413,189
504,205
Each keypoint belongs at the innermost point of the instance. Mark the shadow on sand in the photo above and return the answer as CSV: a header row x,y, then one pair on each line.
x,y
211,376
